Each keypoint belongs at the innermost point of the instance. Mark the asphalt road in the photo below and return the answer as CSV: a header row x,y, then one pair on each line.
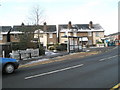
x,y
97,71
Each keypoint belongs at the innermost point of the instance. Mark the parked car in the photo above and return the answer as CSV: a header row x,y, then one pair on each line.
x,y
8,65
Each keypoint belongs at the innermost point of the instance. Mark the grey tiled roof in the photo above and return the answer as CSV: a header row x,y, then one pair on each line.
x,y
26,28
80,26
5,28
50,28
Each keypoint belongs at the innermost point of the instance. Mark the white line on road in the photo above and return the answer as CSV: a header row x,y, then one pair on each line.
x,y
53,71
108,58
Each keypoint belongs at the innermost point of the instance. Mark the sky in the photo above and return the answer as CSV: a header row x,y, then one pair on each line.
x,y
103,12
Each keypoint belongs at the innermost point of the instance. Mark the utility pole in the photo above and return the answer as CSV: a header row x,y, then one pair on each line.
x,y
39,45
68,42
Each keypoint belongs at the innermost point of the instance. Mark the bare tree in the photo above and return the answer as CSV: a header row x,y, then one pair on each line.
x,y
36,16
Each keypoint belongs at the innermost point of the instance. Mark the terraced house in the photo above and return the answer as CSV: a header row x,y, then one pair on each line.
x,y
6,37
88,34
47,34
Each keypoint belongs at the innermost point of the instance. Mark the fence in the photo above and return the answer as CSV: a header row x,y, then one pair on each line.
x,y
23,54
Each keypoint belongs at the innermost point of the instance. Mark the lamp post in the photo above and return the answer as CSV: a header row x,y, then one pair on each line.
x,y
69,27
39,45
67,41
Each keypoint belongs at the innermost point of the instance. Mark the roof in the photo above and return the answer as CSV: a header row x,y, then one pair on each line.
x,y
50,28
5,28
118,33
81,27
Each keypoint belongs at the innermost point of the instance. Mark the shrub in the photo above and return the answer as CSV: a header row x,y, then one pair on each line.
x,y
51,48
99,42
61,47
41,51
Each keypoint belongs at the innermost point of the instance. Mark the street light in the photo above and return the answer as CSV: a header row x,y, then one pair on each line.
x,y
67,32
67,41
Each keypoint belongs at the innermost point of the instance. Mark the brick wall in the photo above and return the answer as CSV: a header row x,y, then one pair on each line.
x,y
12,38
53,39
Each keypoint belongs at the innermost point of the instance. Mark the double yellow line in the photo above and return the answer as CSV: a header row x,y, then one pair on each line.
x,y
116,87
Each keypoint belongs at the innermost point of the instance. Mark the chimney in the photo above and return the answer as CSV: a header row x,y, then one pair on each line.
x,y
90,24
45,26
69,25
22,24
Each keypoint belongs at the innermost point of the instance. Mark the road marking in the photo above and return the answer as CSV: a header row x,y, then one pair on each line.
x,y
116,87
68,68
108,58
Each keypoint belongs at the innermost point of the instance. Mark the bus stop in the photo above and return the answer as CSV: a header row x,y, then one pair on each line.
x,y
74,43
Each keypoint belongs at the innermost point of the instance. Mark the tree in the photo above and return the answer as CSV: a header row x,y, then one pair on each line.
x,y
36,15
25,38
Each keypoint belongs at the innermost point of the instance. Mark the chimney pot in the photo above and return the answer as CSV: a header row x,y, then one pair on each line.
x,y
91,24
69,25
45,26
45,23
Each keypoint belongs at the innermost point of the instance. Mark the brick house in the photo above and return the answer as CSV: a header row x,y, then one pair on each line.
x,y
47,34
6,37
90,33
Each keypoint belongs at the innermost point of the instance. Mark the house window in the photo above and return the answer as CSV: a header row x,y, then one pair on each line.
x,y
1,37
97,34
16,36
41,35
51,43
89,33
65,34
75,33
97,41
50,35
90,42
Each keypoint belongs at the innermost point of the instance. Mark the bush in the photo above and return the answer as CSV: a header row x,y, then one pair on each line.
x,y
15,46
61,47
41,51
99,42
48,45
23,46
57,46
51,48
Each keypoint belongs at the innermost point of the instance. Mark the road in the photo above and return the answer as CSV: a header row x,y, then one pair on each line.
x,y
96,71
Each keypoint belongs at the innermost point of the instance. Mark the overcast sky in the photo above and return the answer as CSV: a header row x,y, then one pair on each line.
x,y
104,12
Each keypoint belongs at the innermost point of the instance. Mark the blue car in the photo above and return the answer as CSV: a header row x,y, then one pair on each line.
x,y
8,65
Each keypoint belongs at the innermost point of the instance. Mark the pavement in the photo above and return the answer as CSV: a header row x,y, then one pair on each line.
x,y
98,71
61,54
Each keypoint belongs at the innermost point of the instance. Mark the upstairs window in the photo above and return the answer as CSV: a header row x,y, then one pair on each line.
x,y
50,35
16,36
89,33
75,33
1,37
97,34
